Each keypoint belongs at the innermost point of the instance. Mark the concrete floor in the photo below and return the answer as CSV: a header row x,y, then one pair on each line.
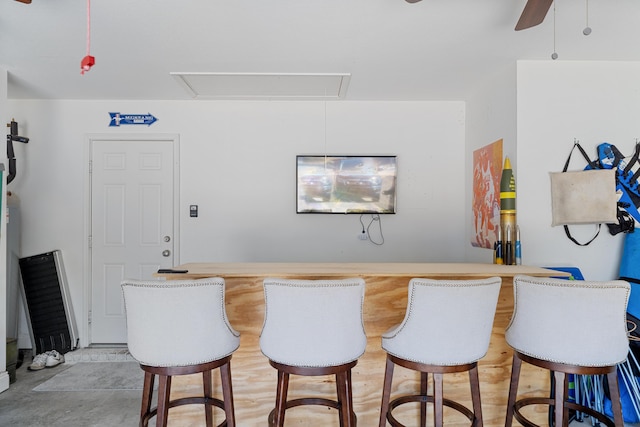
x,y
20,406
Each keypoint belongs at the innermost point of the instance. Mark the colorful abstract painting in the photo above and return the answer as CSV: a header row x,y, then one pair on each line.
x,y
487,167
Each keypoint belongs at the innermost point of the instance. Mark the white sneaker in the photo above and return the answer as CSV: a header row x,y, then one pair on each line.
x,y
39,361
54,359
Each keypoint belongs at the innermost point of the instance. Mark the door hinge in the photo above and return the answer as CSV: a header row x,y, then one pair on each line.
x,y
90,316
90,242
90,166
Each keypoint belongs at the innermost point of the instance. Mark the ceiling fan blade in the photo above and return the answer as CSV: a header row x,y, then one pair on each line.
x,y
25,1
533,14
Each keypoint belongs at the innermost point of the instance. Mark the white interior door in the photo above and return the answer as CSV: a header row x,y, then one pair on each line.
x,y
132,225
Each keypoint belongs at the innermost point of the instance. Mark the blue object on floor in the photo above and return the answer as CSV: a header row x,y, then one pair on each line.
x,y
630,271
629,414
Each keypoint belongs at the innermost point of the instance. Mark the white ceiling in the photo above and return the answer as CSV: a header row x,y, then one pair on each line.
x,y
393,50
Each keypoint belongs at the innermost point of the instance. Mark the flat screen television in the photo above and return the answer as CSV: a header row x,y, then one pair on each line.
x,y
346,184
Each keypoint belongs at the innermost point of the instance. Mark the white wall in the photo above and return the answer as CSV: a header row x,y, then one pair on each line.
x,y
4,376
491,115
238,158
557,102
238,165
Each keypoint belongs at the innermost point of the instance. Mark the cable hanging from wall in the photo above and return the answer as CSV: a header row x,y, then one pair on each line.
x,y
366,229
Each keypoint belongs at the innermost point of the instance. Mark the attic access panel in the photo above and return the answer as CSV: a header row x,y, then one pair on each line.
x,y
264,85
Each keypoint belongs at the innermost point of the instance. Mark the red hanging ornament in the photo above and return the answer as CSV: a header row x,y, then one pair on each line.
x,y
88,61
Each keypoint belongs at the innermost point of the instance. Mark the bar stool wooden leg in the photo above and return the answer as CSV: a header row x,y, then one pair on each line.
x,y
208,395
424,389
437,397
227,394
386,392
614,391
339,398
474,380
281,398
164,388
438,414
344,400
343,403
352,412
207,398
559,404
147,395
513,389
560,410
350,394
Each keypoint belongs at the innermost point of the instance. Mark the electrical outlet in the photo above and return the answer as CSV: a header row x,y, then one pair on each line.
x,y
363,235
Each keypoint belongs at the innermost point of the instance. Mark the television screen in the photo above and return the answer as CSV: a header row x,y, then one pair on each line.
x,y
346,184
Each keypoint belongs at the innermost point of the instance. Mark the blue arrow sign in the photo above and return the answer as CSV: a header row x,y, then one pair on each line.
x,y
118,119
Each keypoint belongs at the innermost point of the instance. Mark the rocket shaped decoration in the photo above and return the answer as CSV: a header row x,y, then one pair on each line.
x,y
508,210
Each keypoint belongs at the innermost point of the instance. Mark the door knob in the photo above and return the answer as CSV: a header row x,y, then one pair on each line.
x,y
166,252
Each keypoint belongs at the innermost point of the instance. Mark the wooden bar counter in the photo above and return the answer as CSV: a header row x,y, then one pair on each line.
x,y
254,380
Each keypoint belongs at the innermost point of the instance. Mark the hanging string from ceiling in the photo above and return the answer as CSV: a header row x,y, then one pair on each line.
x,y
554,55
325,132
88,61
587,29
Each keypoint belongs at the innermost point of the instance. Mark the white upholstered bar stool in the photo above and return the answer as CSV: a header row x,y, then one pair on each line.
x,y
312,328
568,327
178,328
446,329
